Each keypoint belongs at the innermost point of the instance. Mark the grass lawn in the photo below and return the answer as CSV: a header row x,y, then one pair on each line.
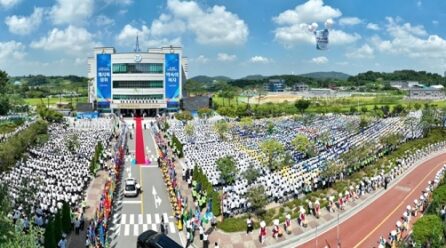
x,y
54,100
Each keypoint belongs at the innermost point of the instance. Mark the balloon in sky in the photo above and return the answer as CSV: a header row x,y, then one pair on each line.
x,y
321,35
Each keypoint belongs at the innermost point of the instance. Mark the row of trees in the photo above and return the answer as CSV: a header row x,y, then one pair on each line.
x,y
13,149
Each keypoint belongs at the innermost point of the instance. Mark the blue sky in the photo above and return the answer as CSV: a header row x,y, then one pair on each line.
x,y
232,38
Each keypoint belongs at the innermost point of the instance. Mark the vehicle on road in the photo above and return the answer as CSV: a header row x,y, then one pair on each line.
x,y
152,239
131,188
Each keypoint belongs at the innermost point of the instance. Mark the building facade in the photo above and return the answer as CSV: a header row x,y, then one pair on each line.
x,y
275,85
428,93
137,83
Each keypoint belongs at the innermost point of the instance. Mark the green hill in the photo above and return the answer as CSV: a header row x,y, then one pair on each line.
x,y
326,75
207,79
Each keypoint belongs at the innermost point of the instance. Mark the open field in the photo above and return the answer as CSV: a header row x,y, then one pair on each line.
x,y
55,100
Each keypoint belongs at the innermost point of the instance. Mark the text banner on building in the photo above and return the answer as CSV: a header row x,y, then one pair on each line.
x,y
172,77
103,80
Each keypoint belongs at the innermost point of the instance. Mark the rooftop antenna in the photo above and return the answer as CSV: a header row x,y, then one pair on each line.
x,y
137,49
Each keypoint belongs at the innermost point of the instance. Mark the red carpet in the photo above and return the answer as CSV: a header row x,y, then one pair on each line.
x,y
139,142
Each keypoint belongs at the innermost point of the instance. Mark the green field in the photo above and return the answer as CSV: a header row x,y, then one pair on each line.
x,y
55,100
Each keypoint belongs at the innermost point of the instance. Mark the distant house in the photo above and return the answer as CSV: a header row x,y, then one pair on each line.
x,y
301,87
427,93
323,92
405,85
275,85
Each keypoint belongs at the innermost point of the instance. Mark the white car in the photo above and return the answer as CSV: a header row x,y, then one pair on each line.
x,y
131,187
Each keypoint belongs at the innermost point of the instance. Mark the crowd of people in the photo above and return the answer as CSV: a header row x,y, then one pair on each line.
x,y
25,125
55,172
341,134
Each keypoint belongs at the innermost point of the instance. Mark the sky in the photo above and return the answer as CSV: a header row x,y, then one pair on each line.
x,y
234,38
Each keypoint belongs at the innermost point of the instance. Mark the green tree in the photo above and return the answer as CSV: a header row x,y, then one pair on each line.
x,y
270,127
227,168
4,82
189,130
261,93
4,104
184,116
301,105
273,149
257,197
246,122
204,112
58,228
364,121
353,110
221,127
73,143
417,106
428,231
364,109
302,144
66,218
391,140
251,174
398,109
50,234
332,169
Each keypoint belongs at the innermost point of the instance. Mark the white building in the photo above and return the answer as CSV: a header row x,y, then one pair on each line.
x,y
137,82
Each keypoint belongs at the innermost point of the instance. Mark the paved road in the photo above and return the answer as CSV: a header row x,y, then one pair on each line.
x,y
135,215
379,218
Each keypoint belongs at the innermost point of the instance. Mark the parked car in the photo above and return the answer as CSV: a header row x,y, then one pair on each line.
x,y
152,239
131,187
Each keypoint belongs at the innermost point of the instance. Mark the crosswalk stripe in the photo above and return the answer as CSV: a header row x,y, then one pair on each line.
x,y
157,218
115,218
132,219
126,230
149,219
166,219
123,216
145,227
140,219
154,227
135,230
171,227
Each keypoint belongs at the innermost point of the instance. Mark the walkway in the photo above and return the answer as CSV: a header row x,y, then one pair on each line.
x,y
139,139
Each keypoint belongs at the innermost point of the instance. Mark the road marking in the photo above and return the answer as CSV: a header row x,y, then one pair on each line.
x,y
135,230
132,219
142,195
172,227
115,219
126,230
397,207
166,219
145,227
157,218
140,219
123,218
149,219
131,202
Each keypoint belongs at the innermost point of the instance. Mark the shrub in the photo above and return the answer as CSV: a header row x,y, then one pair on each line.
x,y
429,230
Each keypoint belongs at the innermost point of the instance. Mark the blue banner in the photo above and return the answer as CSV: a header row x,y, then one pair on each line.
x,y
87,115
172,77
321,39
103,80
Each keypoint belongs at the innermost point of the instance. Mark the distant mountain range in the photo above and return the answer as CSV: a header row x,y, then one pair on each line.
x,y
316,75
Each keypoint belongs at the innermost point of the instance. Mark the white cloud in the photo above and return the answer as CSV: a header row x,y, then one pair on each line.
x,y
202,59
311,11
409,40
363,52
23,25
349,21
80,61
71,40
71,12
166,25
293,24
128,35
435,22
103,20
8,3
259,60
215,26
224,57
319,60
119,2
11,50
373,26
419,3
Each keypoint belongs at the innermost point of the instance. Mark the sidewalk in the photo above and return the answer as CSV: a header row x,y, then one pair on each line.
x,y
327,220
93,197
